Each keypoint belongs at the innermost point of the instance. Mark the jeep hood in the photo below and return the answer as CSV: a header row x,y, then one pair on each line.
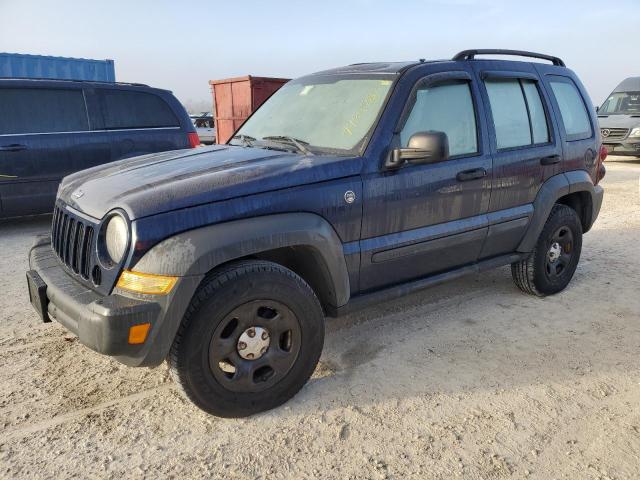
x,y
619,121
152,184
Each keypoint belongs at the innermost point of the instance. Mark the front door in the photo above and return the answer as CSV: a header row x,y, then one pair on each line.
x,y
423,219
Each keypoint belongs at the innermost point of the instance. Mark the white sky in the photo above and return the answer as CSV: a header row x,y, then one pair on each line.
x,y
182,45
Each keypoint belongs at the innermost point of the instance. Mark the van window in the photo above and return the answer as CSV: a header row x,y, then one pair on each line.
x,y
128,109
572,110
621,103
42,110
518,113
444,108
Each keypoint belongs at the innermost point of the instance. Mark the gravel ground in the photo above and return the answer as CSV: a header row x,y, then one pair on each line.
x,y
470,379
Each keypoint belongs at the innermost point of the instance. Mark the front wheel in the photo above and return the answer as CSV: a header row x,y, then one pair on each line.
x,y
554,260
251,338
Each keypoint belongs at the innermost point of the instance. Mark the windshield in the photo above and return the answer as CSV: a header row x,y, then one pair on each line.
x,y
621,103
323,113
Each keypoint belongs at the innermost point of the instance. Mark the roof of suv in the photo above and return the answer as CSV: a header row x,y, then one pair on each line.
x,y
377,67
465,55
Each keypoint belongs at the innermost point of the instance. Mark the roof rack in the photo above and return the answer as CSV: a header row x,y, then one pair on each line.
x,y
470,54
75,80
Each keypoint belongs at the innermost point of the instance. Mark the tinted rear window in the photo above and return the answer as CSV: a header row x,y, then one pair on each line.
x,y
127,109
518,113
509,110
42,110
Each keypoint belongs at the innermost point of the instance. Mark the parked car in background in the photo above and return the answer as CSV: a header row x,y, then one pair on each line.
x,y
205,127
619,118
347,187
51,128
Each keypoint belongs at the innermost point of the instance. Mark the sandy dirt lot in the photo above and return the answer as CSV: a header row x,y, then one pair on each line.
x,y
472,379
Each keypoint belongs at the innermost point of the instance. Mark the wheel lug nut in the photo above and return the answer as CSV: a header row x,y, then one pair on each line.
x,y
251,333
249,355
265,335
242,345
262,350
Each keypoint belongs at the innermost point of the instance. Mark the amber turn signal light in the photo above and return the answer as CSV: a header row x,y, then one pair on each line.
x,y
146,282
138,333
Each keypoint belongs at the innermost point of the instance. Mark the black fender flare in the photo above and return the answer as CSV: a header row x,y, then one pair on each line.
x,y
553,189
197,252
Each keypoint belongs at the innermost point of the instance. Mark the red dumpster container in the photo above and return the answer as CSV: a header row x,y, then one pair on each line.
x,y
236,98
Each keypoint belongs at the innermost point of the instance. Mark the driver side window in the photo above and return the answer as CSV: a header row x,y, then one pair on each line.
x,y
445,108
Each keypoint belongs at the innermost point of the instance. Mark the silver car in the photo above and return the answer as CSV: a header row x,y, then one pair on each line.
x,y
205,128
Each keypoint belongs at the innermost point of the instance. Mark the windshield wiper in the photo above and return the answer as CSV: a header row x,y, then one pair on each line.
x,y
247,141
299,144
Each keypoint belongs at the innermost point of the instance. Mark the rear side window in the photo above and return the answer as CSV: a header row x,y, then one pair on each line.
x,y
444,108
538,119
127,109
42,110
518,113
572,110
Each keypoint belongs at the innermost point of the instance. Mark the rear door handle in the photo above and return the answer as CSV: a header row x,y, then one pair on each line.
x,y
472,174
550,160
14,147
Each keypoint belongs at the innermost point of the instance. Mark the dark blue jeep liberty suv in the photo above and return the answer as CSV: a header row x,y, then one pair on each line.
x,y
348,186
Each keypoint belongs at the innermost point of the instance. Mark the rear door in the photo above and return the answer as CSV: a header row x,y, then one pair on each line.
x,y
136,122
42,139
525,150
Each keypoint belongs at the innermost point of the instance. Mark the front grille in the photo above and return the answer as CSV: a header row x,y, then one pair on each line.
x,y
613,133
71,239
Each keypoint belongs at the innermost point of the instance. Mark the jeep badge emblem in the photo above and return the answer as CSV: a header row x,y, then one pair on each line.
x,y
77,194
349,196
606,132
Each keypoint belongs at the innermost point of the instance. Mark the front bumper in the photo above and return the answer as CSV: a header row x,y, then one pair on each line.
x,y
625,148
102,322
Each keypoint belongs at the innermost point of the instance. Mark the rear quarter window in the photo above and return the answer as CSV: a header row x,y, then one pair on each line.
x,y
572,109
123,109
42,110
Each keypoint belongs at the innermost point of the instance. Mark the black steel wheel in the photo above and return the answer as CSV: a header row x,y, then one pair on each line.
x,y
554,260
559,253
249,341
255,346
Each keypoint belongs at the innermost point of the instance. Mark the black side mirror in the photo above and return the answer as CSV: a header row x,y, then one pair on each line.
x,y
423,147
597,109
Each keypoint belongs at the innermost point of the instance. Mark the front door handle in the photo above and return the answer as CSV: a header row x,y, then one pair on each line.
x,y
550,160
14,147
473,174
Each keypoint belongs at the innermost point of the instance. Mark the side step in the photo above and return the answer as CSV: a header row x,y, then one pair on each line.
x,y
364,300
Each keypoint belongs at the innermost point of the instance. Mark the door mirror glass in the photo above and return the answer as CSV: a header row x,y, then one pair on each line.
x,y
422,147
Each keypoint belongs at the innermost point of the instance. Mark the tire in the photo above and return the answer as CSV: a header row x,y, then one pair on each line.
x,y
223,368
549,270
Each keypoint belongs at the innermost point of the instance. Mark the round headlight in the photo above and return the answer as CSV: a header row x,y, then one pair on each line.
x,y
116,238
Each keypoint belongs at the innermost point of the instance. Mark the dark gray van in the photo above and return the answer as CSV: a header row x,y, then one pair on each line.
x,y
51,128
619,118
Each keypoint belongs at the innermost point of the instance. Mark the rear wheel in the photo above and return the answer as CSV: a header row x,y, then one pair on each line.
x,y
249,341
554,260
